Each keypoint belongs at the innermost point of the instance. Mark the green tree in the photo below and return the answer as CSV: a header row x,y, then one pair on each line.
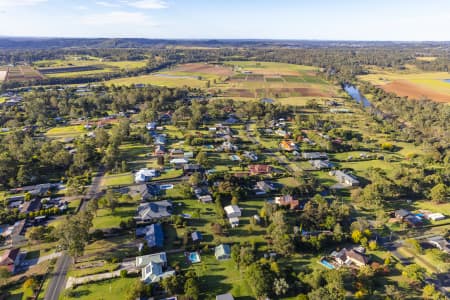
x,y
110,200
278,230
280,286
191,289
74,233
356,236
439,193
260,279
414,272
202,159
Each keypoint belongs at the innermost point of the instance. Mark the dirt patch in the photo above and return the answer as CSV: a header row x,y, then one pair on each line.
x,y
300,92
239,93
205,68
22,73
405,88
272,72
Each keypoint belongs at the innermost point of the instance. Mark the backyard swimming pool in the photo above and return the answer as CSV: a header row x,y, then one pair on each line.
x,y
235,158
194,257
326,264
166,187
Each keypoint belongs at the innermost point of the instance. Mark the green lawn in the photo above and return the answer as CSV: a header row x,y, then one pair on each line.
x,y
66,131
114,289
288,181
216,277
159,81
117,179
106,219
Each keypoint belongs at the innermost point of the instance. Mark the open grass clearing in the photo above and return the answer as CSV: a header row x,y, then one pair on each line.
x,y
107,219
66,131
112,289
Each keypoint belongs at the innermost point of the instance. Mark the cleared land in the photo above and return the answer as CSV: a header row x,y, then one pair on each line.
x,y
411,83
19,74
205,68
243,80
84,66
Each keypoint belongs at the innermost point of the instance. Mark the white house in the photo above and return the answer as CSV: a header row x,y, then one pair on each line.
x,y
436,217
144,175
179,161
153,267
234,222
232,211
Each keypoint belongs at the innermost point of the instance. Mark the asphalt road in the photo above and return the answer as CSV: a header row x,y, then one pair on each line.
x,y
58,282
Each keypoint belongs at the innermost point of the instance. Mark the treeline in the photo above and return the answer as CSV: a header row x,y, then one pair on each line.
x,y
419,120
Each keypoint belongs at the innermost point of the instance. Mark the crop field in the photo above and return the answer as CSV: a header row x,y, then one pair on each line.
x,y
85,66
65,132
204,68
158,80
19,74
243,80
412,83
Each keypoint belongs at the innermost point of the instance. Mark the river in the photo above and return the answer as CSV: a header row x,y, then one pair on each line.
x,y
355,94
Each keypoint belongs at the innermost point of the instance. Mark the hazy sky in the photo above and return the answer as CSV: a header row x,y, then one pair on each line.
x,y
261,19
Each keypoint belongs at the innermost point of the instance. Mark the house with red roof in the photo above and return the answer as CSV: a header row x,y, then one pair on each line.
x,y
10,259
259,169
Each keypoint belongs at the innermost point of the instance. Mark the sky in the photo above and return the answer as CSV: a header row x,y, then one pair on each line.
x,y
399,20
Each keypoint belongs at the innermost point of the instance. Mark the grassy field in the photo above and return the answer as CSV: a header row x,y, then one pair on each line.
x,y
107,219
275,80
66,132
113,289
413,83
50,67
117,179
159,81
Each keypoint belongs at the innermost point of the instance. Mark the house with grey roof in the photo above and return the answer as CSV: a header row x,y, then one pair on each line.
x,y
321,164
222,252
154,267
153,211
314,155
344,178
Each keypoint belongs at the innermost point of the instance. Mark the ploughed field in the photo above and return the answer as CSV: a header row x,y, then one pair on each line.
x,y
246,80
411,83
19,73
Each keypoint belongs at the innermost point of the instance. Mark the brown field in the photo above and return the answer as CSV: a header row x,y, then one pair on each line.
x,y
205,68
21,73
279,92
407,89
270,72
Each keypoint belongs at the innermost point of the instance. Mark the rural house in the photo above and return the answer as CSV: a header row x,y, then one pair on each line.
x,y
10,259
321,164
154,267
160,150
259,169
222,252
153,211
145,175
287,200
232,211
344,178
440,243
153,234
315,155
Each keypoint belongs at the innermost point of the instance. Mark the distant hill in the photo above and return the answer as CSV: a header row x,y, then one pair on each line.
x,y
49,43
